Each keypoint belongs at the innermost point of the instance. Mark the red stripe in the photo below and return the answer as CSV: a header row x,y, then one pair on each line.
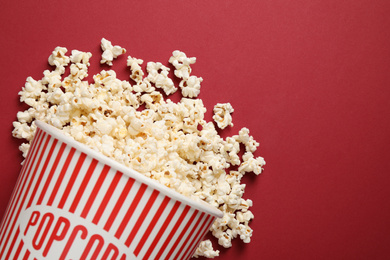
x,y
39,162
170,236
142,217
107,198
25,190
83,185
18,189
131,210
22,176
183,232
157,238
95,191
151,225
61,176
26,255
186,242
21,244
12,244
72,180
35,146
202,236
196,238
119,204
53,145
50,176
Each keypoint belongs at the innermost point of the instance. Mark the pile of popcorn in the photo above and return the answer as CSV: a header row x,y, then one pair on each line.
x,y
135,125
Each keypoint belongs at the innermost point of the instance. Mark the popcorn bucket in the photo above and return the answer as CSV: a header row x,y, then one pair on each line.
x,y
71,202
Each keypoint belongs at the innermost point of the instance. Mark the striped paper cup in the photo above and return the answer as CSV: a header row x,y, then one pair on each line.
x,y
71,202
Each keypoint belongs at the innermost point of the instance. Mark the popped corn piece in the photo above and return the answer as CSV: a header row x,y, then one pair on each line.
x,y
52,79
78,71
137,73
25,116
222,115
107,147
245,233
244,217
110,52
235,197
59,59
144,86
188,147
32,91
225,239
223,188
105,125
195,108
206,249
23,130
152,100
243,135
245,205
190,87
251,164
80,57
24,149
230,149
182,64
160,79
104,79
244,138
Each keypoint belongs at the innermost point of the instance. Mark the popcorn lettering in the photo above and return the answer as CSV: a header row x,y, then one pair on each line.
x,y
135,125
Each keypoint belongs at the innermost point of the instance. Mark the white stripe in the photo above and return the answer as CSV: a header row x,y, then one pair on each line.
x,y
14,248
114,198
205,227
148,219
56,174
65,180
39,173
46,174
177,233
122,212
168,230
136,214
188,234
19,205
88,190
77,183
156,228
100,195
8,217
17,190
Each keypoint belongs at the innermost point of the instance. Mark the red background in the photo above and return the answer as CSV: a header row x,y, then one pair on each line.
x,y
309,78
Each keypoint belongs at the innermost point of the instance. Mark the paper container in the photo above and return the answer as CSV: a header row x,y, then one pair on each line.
x,y
71,202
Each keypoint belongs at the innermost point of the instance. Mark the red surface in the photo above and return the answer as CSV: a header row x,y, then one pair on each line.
x,y
310,79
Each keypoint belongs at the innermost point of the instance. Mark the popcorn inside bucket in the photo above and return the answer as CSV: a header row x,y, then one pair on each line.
x,y
133,123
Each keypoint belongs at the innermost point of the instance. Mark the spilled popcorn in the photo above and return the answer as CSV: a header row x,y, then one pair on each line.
x,y
135,125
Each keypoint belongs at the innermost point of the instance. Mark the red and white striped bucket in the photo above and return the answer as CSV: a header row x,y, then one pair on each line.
x,y
71,202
